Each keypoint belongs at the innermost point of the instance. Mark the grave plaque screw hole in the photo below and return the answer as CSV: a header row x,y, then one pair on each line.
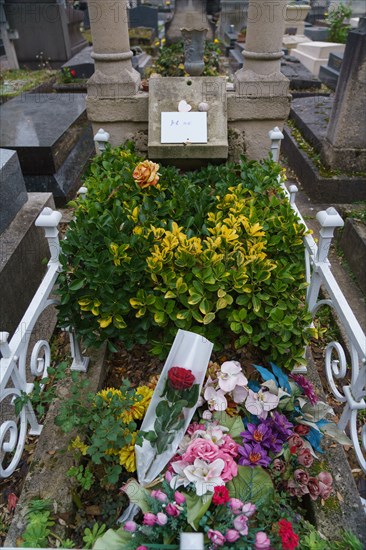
x,y
189,82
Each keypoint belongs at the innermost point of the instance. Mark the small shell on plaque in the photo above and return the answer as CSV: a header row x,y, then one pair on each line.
x,y
183,106
203,107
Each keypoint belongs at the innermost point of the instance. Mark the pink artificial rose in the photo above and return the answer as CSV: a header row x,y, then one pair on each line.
x,y
262,542
232,535
161,518
295,443
230,446
172,510
304,458
294,488
230,469
159,495
313,486
278,465
149,519
179,497
217,538
235,505
130,526
194,427
168,476
240,524
201,448
325,482
142,548
249,509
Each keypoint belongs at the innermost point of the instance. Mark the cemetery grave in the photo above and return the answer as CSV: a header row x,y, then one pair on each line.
x,y
177,260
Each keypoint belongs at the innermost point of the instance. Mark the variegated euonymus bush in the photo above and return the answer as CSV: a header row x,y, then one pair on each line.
x,y
217,251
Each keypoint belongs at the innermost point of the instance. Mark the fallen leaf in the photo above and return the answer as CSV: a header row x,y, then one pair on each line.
x,y
93,510
12,501
339,497
52,452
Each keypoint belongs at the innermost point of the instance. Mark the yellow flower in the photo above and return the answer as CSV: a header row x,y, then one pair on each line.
x,y
127,456
216,41
146,174
78,445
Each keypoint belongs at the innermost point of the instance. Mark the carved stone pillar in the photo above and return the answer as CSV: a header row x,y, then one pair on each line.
x,y
114,76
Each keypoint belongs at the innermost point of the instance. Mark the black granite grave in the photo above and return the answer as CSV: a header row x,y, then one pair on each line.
x,y
311,116
329,74
143,16
13,193
82,63
53,139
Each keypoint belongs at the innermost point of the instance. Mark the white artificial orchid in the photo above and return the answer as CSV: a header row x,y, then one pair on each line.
x,y
204,475
179,479
231,375
216,399
261,403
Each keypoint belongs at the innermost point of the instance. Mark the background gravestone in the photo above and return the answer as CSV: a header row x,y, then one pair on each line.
x,y
345,143
13,193
47,26
143,16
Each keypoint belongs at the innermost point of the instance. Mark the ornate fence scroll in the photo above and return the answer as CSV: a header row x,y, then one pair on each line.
x,y
19,364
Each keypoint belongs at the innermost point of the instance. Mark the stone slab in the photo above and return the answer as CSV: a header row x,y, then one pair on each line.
x,y
292,41
329,77
311,116
335,61
52,137
164,96
23,248
316,33
299,76
82,63
335,190
353,243
320,49
13,193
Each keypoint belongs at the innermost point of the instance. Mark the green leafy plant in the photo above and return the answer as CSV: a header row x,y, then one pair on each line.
x,y
338,28
38,530
218,251
106,424
44,390
91,535
171,60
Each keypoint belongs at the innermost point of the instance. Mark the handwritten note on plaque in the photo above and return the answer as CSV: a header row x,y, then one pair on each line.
x,y
183,127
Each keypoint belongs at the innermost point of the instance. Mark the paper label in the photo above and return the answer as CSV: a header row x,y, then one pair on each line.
x,y
183,127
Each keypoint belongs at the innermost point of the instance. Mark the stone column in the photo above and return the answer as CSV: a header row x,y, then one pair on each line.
x,y
261,90
113,100
345,143
114,76
189,14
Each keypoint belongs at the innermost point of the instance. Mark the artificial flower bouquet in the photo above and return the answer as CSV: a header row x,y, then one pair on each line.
x,y
252,446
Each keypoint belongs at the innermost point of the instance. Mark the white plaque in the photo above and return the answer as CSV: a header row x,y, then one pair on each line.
x,y
179,127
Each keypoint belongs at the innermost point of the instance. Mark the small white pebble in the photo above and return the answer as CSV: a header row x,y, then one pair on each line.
x,y
203,107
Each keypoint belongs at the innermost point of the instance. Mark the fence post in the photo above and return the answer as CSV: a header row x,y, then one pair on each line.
x,y
275,136
101,138
329,220
49,220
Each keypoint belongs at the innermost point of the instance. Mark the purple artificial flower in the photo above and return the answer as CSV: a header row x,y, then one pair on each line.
x,y
279,424
306,386
253,455
257,434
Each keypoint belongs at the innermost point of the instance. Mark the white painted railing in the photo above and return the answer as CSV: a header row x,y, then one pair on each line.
x,y
346,379
18,364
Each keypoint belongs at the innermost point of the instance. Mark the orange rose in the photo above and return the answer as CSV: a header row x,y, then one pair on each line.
x,y
146,174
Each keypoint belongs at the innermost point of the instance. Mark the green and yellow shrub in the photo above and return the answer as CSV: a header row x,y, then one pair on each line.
x,y
217,251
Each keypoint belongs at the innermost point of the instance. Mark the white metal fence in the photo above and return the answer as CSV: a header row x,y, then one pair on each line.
x,y
347,381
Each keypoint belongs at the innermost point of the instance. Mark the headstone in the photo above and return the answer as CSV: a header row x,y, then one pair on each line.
x,y
318,34
164,97
329,74
49,26
318,9
52,137
82,63
315,54
345,143
233,16
13,193
189,14
143,16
